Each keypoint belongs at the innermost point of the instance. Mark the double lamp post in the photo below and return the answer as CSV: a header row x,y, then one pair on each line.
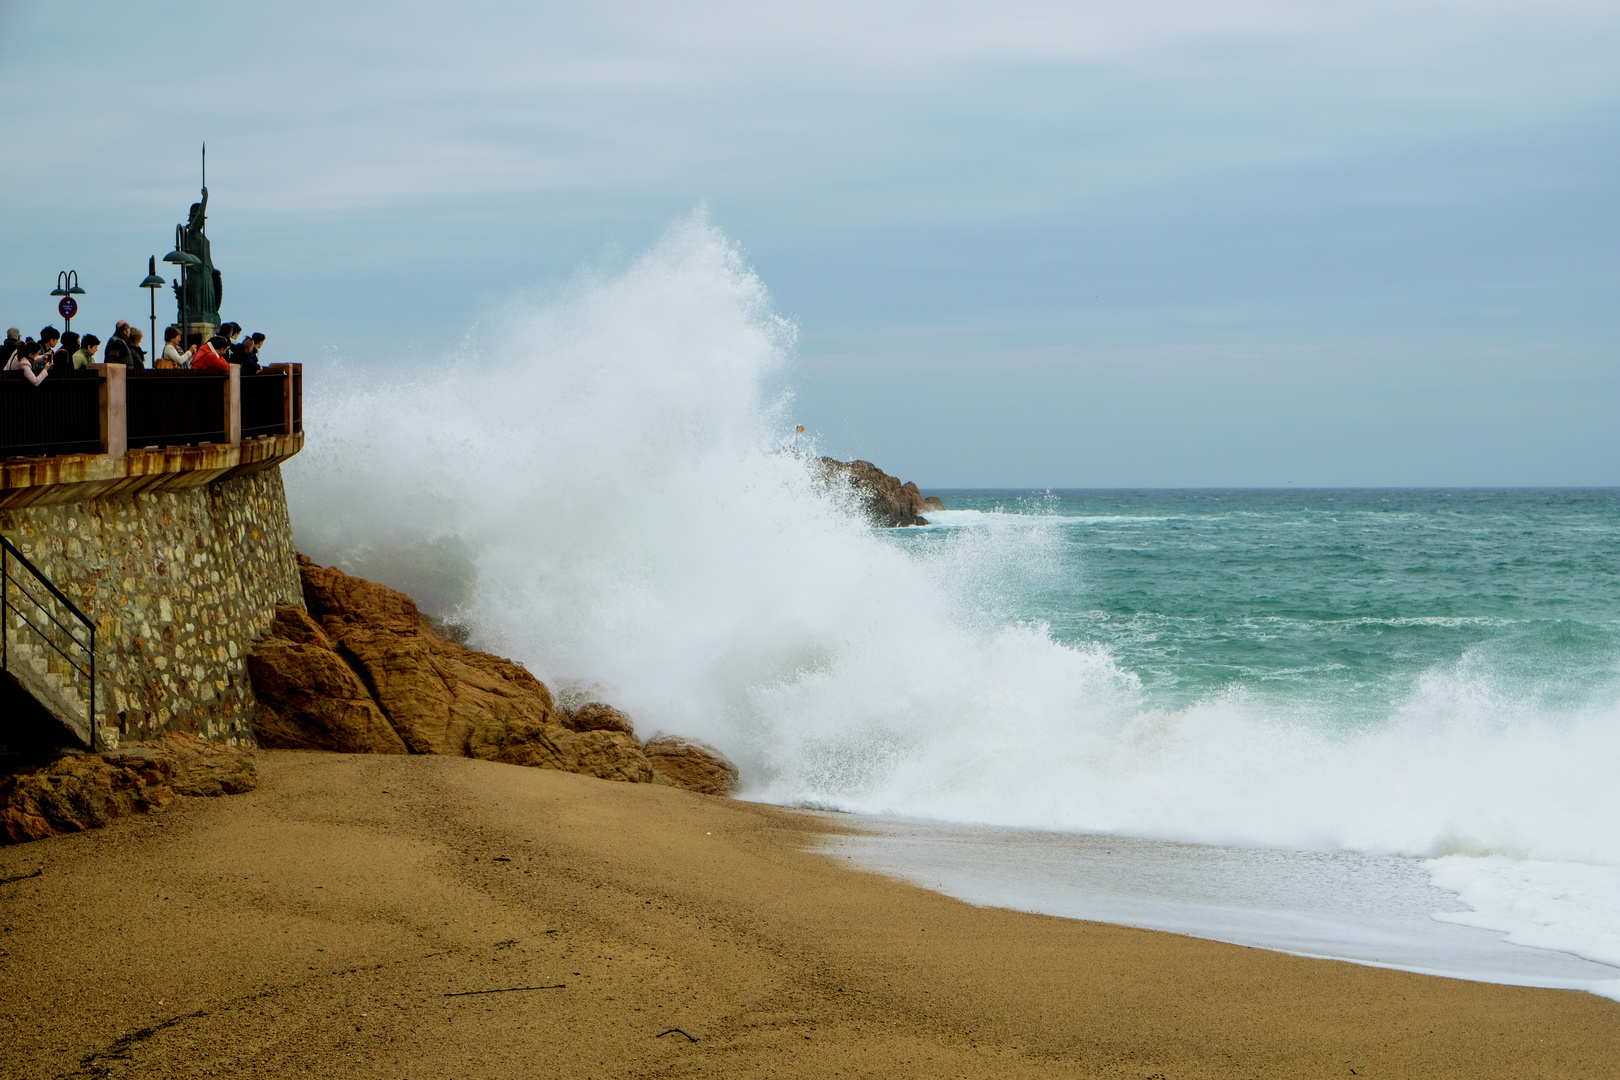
x,y
67,287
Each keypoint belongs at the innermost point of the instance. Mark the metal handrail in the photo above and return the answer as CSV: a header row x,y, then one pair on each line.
x,y
9,551
37,602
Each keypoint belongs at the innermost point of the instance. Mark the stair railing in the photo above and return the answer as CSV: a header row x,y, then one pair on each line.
x,y
18,599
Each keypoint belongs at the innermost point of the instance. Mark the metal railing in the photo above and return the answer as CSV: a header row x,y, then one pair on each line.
x,y
59,416
264,406
108,409
66,636
175,408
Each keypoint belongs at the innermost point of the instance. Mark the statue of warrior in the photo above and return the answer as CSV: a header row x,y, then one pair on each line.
x,y
201,289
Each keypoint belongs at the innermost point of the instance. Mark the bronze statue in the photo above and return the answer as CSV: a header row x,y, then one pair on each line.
x,y
200,289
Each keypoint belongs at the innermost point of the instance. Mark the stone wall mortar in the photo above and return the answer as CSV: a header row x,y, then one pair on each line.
x,y
180,584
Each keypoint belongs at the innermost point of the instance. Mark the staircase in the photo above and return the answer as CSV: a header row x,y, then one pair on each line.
x,y
47,659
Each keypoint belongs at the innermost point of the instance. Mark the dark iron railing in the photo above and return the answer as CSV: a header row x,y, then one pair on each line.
x,y
175,408
106,410
59,416
33,608
264,404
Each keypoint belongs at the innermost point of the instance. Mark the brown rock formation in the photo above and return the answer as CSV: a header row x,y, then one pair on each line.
x,y
309,699
85,791
884,498
691,765
596,716
365,672
611,755
435,693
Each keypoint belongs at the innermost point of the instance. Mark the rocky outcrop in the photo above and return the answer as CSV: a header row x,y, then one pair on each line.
x,y
438,695
80,791
363,671
691,765
610,755
596,716
309,699
886,500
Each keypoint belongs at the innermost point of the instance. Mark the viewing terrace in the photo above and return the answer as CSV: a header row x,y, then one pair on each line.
x,y
121,432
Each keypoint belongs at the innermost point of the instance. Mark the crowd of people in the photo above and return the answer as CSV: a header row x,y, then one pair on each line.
x,y
67,355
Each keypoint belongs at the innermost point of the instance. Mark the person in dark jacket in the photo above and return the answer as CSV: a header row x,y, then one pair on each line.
x,y
137,355
117,350
246,353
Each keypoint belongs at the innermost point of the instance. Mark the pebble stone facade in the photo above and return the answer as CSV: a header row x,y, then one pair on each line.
x,y
180,584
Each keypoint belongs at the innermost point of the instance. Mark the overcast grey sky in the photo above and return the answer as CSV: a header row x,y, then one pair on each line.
x,y
1159,242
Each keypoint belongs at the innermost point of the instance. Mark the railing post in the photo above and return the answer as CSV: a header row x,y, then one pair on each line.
x,y
286,373
114,409
233,406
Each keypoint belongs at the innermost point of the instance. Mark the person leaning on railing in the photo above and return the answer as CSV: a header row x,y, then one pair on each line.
x,y
86,354
208,356
246,353
22,361
172,356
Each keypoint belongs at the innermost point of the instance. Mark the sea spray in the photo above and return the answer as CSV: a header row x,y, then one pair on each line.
x,y
603,486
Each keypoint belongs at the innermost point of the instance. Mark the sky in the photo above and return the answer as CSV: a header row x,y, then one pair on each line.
x,y
1084,244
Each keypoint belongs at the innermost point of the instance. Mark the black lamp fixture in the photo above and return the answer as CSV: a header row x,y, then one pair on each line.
x,y
67,284
154,281
180,256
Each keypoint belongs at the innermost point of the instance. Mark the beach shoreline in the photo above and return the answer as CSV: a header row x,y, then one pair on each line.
x,y
446,917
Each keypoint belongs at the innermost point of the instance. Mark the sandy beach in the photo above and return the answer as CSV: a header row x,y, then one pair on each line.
x,y
363,916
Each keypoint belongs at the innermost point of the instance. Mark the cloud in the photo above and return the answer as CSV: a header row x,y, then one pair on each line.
x,y
344,107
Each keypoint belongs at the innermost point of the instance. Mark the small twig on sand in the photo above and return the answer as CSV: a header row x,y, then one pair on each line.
x,y
21,877
505,990
675,1031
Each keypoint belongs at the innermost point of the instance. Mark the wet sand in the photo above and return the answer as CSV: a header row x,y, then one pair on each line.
x,y
343,920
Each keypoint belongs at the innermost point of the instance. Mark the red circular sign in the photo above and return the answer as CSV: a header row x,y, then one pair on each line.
x,y
69,307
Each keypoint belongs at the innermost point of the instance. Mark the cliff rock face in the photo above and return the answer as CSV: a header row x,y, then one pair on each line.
x,y
86,791
309,698
363,671
886,500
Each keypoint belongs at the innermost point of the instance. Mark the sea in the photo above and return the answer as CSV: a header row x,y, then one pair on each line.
x,y
1380,726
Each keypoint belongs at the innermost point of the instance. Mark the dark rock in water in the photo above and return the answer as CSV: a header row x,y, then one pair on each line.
x,y
886,500
683,763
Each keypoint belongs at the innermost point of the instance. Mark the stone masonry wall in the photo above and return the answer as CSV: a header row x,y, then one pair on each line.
x,y
180,583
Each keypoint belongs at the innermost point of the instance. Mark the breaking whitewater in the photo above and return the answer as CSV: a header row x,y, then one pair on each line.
x,y
608,490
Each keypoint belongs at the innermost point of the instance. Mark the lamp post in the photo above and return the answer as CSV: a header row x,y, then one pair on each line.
x,y
154,281
181,258
67,287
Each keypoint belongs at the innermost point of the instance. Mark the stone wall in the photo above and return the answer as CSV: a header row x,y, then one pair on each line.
x,y
180,583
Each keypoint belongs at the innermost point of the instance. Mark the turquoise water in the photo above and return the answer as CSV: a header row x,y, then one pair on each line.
x,y
1340,598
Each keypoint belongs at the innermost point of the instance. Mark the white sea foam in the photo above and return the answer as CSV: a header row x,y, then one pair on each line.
x,y
602,487
1563,907
1380,910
